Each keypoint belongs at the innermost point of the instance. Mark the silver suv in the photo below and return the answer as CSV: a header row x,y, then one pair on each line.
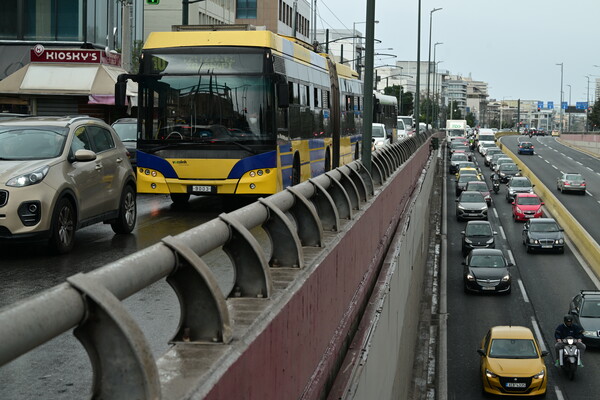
x,y
59,174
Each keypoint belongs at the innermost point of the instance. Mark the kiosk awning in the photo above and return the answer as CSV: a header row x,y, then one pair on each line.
x,y
65,79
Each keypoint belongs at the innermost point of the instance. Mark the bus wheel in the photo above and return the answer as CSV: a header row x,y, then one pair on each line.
x,y
296,170
180,198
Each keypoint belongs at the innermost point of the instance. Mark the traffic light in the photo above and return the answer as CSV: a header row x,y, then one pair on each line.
x,y
153,2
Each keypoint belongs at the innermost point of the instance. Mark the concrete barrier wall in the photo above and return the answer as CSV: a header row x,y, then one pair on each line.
x,y
585,244
589,142
295,352
379,364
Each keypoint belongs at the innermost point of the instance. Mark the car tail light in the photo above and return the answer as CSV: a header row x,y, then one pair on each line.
x,y
567,183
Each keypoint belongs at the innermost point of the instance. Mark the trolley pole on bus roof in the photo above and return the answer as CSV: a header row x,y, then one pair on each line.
x,y
185,10
368,86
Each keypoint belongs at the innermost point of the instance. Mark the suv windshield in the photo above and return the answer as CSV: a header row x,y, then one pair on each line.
x,y
472,198
31,143
520,183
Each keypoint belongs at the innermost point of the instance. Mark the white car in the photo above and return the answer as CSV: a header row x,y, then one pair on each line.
x,y
379,136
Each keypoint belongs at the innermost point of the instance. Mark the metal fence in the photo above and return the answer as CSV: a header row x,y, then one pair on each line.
x,y
122,363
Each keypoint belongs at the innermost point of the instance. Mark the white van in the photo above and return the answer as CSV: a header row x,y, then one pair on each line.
x,y
485,136
401,129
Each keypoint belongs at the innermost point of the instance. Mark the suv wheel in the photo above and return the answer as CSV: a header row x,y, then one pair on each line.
x,y
62,236
125,222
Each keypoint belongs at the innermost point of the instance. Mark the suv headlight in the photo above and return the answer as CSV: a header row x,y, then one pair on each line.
x,y
30,178
560,241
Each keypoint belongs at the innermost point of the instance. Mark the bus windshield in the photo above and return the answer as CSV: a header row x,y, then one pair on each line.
x,y
206,97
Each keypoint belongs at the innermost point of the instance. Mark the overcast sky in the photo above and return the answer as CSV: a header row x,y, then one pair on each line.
x,y
513,45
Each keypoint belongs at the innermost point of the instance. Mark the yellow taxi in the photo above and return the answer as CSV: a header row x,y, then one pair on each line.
x,y
512,363
469,171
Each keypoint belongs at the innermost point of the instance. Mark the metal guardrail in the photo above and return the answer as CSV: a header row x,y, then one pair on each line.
x,y
122,363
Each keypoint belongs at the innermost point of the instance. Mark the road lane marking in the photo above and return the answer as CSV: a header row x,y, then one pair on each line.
x,y
525,297
495,213
554,166
547,161
538,334
502,232
559,394
510,256
577,162
590,169
589,194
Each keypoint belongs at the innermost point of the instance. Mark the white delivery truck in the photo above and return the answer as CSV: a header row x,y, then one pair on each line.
x,y
456,127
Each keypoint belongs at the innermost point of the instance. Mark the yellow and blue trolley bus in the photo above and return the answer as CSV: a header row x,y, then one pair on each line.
x,y
240,113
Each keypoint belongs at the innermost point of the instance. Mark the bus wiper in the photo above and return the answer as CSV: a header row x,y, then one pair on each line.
x,y
243,146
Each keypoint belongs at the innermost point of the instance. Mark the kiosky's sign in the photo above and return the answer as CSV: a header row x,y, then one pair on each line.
x,y
40,54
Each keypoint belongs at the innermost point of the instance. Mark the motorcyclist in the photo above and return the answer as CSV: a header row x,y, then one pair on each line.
x,y
564,330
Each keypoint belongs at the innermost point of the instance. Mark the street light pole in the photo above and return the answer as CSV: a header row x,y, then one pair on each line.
x,y
368,87
429,60
588,103
434,68
568,113
354,41
561,97
418,82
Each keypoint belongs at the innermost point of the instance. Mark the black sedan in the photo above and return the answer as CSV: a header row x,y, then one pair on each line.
x,y
478,234
585,308
543,234
486,270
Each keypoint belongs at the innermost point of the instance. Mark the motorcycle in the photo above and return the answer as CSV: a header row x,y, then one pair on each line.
x,y
569,357
496,186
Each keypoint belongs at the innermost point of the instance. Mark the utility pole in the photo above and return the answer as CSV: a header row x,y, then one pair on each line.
x,y
368,87
561,97
429,59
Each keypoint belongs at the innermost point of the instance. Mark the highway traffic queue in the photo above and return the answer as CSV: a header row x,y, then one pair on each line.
x,y
511,358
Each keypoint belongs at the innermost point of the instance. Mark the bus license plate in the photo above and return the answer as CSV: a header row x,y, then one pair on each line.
x,y
203,189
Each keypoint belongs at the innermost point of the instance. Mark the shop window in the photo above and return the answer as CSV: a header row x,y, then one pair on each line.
x,y
245,9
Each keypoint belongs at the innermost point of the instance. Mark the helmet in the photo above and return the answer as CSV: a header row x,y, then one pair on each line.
x,y
568,318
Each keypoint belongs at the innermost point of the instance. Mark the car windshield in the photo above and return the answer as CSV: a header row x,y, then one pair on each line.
x,y
474,197
578,178
544,227
508,167
477,185
467,178
590,309
526,145
528,201
478,230
513,348
459,157
127,131
459,146
31,143
487,261
378,131
520,183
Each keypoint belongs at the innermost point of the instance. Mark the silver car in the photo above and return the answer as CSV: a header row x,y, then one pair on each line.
x,y
471,205
571,182
59,174
518,184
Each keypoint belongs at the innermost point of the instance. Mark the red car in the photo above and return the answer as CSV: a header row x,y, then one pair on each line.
x,y
526,206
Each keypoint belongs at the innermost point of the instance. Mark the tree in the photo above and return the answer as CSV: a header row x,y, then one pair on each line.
x,y
454,112
470,119
594,116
